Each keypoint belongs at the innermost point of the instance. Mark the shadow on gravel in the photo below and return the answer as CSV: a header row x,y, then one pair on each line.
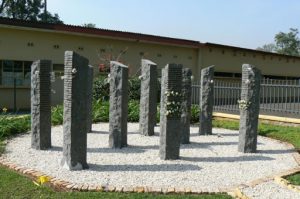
x,y
278,151
216,134
99,132
157,167
56,148
226,159
129,149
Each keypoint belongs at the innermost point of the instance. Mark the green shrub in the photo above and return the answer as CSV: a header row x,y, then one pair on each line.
x,y
57,113
100,111
13,125
195,111
101,88
134,88
133,111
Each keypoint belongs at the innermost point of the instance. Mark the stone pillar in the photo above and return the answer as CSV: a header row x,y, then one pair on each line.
x,y
148,101
206,100
90,98
170,112
118,109
41,104
186,105
75,112
249,109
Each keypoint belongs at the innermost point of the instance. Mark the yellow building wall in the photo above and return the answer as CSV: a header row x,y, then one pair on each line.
x,y
230,60
13,46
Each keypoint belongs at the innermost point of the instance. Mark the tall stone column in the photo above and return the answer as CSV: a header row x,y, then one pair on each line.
x,y
206,100
148,101
170,112
75,112
118,109
41,104
249,108
186,105
90,98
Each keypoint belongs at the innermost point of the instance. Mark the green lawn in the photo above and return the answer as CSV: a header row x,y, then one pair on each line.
x,y
294,179
283,133
13,185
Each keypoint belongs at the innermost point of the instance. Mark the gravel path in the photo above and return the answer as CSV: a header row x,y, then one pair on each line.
x,y
270,190
209,162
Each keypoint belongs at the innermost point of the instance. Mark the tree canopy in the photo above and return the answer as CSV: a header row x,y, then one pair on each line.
x,y
89,25
285,43
32,10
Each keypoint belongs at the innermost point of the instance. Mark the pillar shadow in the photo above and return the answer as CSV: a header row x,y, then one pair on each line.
x,y
128,149
56,148
100,132
154,168
214,134
276,151
227,159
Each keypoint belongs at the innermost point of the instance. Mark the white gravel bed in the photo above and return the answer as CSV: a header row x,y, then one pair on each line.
x,y
209,162
270,190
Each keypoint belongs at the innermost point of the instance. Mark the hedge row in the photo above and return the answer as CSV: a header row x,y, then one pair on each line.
x,y
101,112
101,88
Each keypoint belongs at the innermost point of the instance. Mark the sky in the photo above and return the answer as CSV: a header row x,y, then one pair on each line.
x,y
241,23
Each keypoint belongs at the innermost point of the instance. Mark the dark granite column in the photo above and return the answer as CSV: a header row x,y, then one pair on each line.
x,y
249,108
118,109
170,112
148,101
75,112
90,98
41,104
206,100
186,105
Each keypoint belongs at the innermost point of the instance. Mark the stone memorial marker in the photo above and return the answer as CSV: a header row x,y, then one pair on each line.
x,y
118,109
90,98
75,112
170,112
186,105
41,104
206,100
148,101
249,108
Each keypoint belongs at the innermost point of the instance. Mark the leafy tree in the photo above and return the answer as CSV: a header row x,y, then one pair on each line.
x,y
3,4
288,43
32,10
89,25
268,48
285,43
50,18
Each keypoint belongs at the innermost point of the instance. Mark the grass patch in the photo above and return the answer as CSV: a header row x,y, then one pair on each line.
x,y
294,179
283,133
12,185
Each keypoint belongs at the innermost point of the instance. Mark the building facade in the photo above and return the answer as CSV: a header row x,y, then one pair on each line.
x,y
22,42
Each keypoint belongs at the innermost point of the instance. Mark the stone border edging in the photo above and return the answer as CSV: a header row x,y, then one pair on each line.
x,y
238,194
283,182
59,184
263,117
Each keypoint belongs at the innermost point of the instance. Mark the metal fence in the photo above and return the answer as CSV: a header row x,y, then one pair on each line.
x,y
277,97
